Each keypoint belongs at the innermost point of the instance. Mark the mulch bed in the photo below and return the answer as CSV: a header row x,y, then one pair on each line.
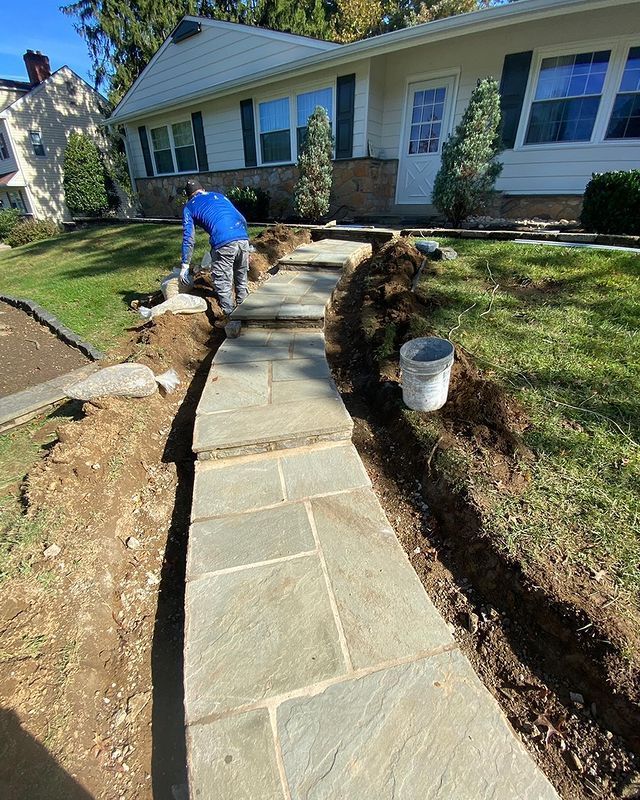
x,y
30,353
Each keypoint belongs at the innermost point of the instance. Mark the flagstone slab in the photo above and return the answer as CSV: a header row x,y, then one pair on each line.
x,y
233,488
239,353
326,253
271,426
257,633
301,369
231,386
288,391
384,608
427,729
250,538
234,758
323,470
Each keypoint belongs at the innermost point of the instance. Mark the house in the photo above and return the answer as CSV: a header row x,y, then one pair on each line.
x,y
230,103
36,118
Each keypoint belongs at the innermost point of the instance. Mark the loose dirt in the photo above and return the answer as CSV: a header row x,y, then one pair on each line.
x,y
30,353
566,692
272,244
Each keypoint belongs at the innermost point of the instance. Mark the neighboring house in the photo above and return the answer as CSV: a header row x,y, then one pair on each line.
x,y
230,103
36,118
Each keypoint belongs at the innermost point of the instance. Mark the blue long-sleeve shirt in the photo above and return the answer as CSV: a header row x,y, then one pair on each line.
x,y
219,218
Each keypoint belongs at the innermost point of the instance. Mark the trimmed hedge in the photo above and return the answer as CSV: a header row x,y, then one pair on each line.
x,y
84,177
9,218
32,230
253,204
612,203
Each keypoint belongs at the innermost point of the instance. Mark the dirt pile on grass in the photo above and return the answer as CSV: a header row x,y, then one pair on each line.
x,y
272,244
79,673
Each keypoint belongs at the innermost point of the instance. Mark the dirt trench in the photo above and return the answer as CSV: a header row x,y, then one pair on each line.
x,y
520,634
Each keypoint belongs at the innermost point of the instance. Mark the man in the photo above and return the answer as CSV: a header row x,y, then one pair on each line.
x,y
229,239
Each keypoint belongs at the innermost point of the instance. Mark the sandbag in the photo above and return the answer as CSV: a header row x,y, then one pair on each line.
x,y
178,304
122,380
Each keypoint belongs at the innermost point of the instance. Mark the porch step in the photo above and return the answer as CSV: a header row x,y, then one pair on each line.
x,y
334,254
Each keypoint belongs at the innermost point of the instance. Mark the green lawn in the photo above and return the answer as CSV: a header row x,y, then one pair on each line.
x,y
562,336
89,277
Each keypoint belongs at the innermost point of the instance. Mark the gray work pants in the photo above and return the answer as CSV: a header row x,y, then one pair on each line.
x,y
229,266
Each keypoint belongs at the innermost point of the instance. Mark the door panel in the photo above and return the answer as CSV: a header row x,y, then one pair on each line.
x,y
427,122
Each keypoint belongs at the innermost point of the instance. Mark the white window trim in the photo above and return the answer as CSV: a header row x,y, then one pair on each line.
x,y
293,116
33,152
169,127
619,52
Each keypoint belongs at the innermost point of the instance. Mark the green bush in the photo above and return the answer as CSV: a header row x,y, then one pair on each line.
x,y
253,204
84,177
469,170
315,170
9,218
612,203
32,230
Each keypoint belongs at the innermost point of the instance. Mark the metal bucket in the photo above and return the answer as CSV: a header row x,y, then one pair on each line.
x,y
425,365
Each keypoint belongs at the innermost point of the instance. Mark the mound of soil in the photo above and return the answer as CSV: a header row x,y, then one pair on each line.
x,y
272,244
539,636
30,353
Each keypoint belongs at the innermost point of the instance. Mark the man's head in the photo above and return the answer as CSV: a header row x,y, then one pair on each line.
x,y
192,186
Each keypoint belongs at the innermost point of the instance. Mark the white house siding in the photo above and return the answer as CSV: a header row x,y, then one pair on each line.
x,y
376,104
222,124
7,96
59,106
218,54
543,169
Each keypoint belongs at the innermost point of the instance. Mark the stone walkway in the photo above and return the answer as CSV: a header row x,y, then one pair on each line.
x,y
316,667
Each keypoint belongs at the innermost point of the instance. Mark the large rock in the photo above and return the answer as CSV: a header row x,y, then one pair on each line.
x,y
122,380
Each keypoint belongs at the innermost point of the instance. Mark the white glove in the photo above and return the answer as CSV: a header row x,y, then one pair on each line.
x,y
185,278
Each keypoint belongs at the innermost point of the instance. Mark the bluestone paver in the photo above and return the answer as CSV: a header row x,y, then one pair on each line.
x,y
237,756
427,729
321,470
301,369
235,487
233,385
257,633
264,535
286,391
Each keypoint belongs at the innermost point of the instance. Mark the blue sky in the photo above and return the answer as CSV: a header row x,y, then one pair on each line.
x,y
39,25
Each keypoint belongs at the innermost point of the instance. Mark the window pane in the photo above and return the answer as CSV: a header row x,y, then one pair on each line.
x,y
274,115
307,102
4,150
625,117
186,159
160,138
182,135
164,161
562,120
36,142
275,146
631,75
428,109
572,76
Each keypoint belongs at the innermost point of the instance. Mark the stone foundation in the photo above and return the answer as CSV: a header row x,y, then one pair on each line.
x,y
545,207
360,186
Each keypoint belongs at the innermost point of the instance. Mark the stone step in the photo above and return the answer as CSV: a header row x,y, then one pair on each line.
x,y
335,254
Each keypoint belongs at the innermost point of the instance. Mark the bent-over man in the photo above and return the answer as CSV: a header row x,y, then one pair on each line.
x,y
229,239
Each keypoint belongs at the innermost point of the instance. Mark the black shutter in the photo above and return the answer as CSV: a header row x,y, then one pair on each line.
x,y
201,147
345,99
144,143
515,74
248,133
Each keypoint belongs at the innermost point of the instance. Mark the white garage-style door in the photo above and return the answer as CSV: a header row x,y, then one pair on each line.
x,y
427,123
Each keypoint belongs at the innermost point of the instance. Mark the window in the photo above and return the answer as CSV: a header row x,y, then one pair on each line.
x,y
306,104
162,149
275,136
16,201
36,143
184,147
625,116
426,120
567,98
173,148
4,150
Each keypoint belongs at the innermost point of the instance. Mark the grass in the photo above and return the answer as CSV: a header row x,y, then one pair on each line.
x,y
89,277
560,333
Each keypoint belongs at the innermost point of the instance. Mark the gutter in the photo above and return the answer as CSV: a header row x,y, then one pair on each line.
x,y
461,24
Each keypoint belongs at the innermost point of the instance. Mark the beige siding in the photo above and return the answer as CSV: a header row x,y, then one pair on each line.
x,y
8,96
542,169
7,164
218,54
376,103
222,125
58,107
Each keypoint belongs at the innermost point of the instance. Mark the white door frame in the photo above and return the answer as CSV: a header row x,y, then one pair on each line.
x,y
447,123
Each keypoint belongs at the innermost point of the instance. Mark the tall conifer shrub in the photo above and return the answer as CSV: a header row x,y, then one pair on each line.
x,y
315,170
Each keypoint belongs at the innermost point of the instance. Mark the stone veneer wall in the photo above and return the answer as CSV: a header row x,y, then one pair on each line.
x,y
360,185
546,207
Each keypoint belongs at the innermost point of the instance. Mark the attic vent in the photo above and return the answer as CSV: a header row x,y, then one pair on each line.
x,y
185,30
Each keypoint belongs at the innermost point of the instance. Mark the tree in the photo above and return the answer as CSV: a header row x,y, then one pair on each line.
x,y
469,170
309,18
84,176
358,19
315,170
